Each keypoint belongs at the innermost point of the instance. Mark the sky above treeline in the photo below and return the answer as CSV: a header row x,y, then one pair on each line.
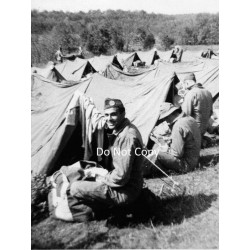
x,y
155,6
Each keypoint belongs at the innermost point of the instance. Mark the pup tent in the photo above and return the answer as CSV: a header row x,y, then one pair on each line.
x,y
166,55
138,74
57,115
206,71
75,70
100,63
127,60
148,57
49,72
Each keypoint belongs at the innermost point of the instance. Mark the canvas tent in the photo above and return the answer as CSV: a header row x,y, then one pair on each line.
x,y
75,70
209,77
159,70
100,63
180,69
148,56
127,60
49,72
164,55
52,133
114,73
206,71
187,55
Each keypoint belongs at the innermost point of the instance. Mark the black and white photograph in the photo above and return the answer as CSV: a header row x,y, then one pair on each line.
x,y
125,124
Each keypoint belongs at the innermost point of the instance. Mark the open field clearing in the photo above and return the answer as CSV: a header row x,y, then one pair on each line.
x,y
201,47
191,221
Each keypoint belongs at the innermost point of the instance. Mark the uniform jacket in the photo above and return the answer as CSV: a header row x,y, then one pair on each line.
x,y
186,140
198,103
125,167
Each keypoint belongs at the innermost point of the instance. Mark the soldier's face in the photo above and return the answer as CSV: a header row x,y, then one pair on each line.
x,y
113,117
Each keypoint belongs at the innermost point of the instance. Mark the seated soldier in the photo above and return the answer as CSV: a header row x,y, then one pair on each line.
x,y
121,183
156,57
208,54
176,54
181,151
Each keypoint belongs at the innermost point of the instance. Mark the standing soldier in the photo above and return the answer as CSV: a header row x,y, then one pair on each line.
x,y
59,55
198,102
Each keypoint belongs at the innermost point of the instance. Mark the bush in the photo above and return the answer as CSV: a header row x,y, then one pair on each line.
x,y
99,40
167,41
39,198
149,41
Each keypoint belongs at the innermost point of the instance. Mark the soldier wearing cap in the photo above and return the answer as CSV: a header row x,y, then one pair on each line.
x,y
198,102
121,184
181,152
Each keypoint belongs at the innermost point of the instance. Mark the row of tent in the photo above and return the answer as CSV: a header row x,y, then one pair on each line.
x,y
51,101
78,68
205,70
55,141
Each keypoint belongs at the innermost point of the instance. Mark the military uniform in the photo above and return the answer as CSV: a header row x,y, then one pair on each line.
x,y
183,152
198,103
123,183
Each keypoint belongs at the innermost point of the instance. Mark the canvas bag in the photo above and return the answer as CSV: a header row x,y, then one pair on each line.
x,y
60,181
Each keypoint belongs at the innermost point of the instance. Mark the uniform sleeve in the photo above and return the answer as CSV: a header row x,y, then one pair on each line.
x,y
161,130
123,164
187,105
211,105
178,141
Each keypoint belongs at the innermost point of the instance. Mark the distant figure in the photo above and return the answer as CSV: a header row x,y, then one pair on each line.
x,y
208,54
59,55
80,53
176,54
155,57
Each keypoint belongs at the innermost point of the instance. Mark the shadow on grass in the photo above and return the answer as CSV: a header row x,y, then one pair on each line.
x,y
54,234
180,208
205,161
209,160
166,212
209,141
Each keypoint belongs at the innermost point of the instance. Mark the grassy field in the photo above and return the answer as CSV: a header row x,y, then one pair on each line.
x,y
189,221
201,47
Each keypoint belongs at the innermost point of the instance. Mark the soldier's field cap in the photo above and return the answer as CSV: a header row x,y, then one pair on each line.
x,y
190,76
113,103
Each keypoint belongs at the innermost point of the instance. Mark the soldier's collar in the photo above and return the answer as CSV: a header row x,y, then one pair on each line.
x,y
121,127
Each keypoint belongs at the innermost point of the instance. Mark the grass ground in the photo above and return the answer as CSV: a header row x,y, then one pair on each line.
x,y
191,221
201,47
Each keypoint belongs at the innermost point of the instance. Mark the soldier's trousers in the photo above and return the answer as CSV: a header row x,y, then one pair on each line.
x,y
84,197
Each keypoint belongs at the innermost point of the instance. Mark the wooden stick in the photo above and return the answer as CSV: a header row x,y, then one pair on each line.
x,y
161,170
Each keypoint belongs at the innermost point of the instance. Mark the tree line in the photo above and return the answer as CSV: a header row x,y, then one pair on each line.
x,y
110,31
